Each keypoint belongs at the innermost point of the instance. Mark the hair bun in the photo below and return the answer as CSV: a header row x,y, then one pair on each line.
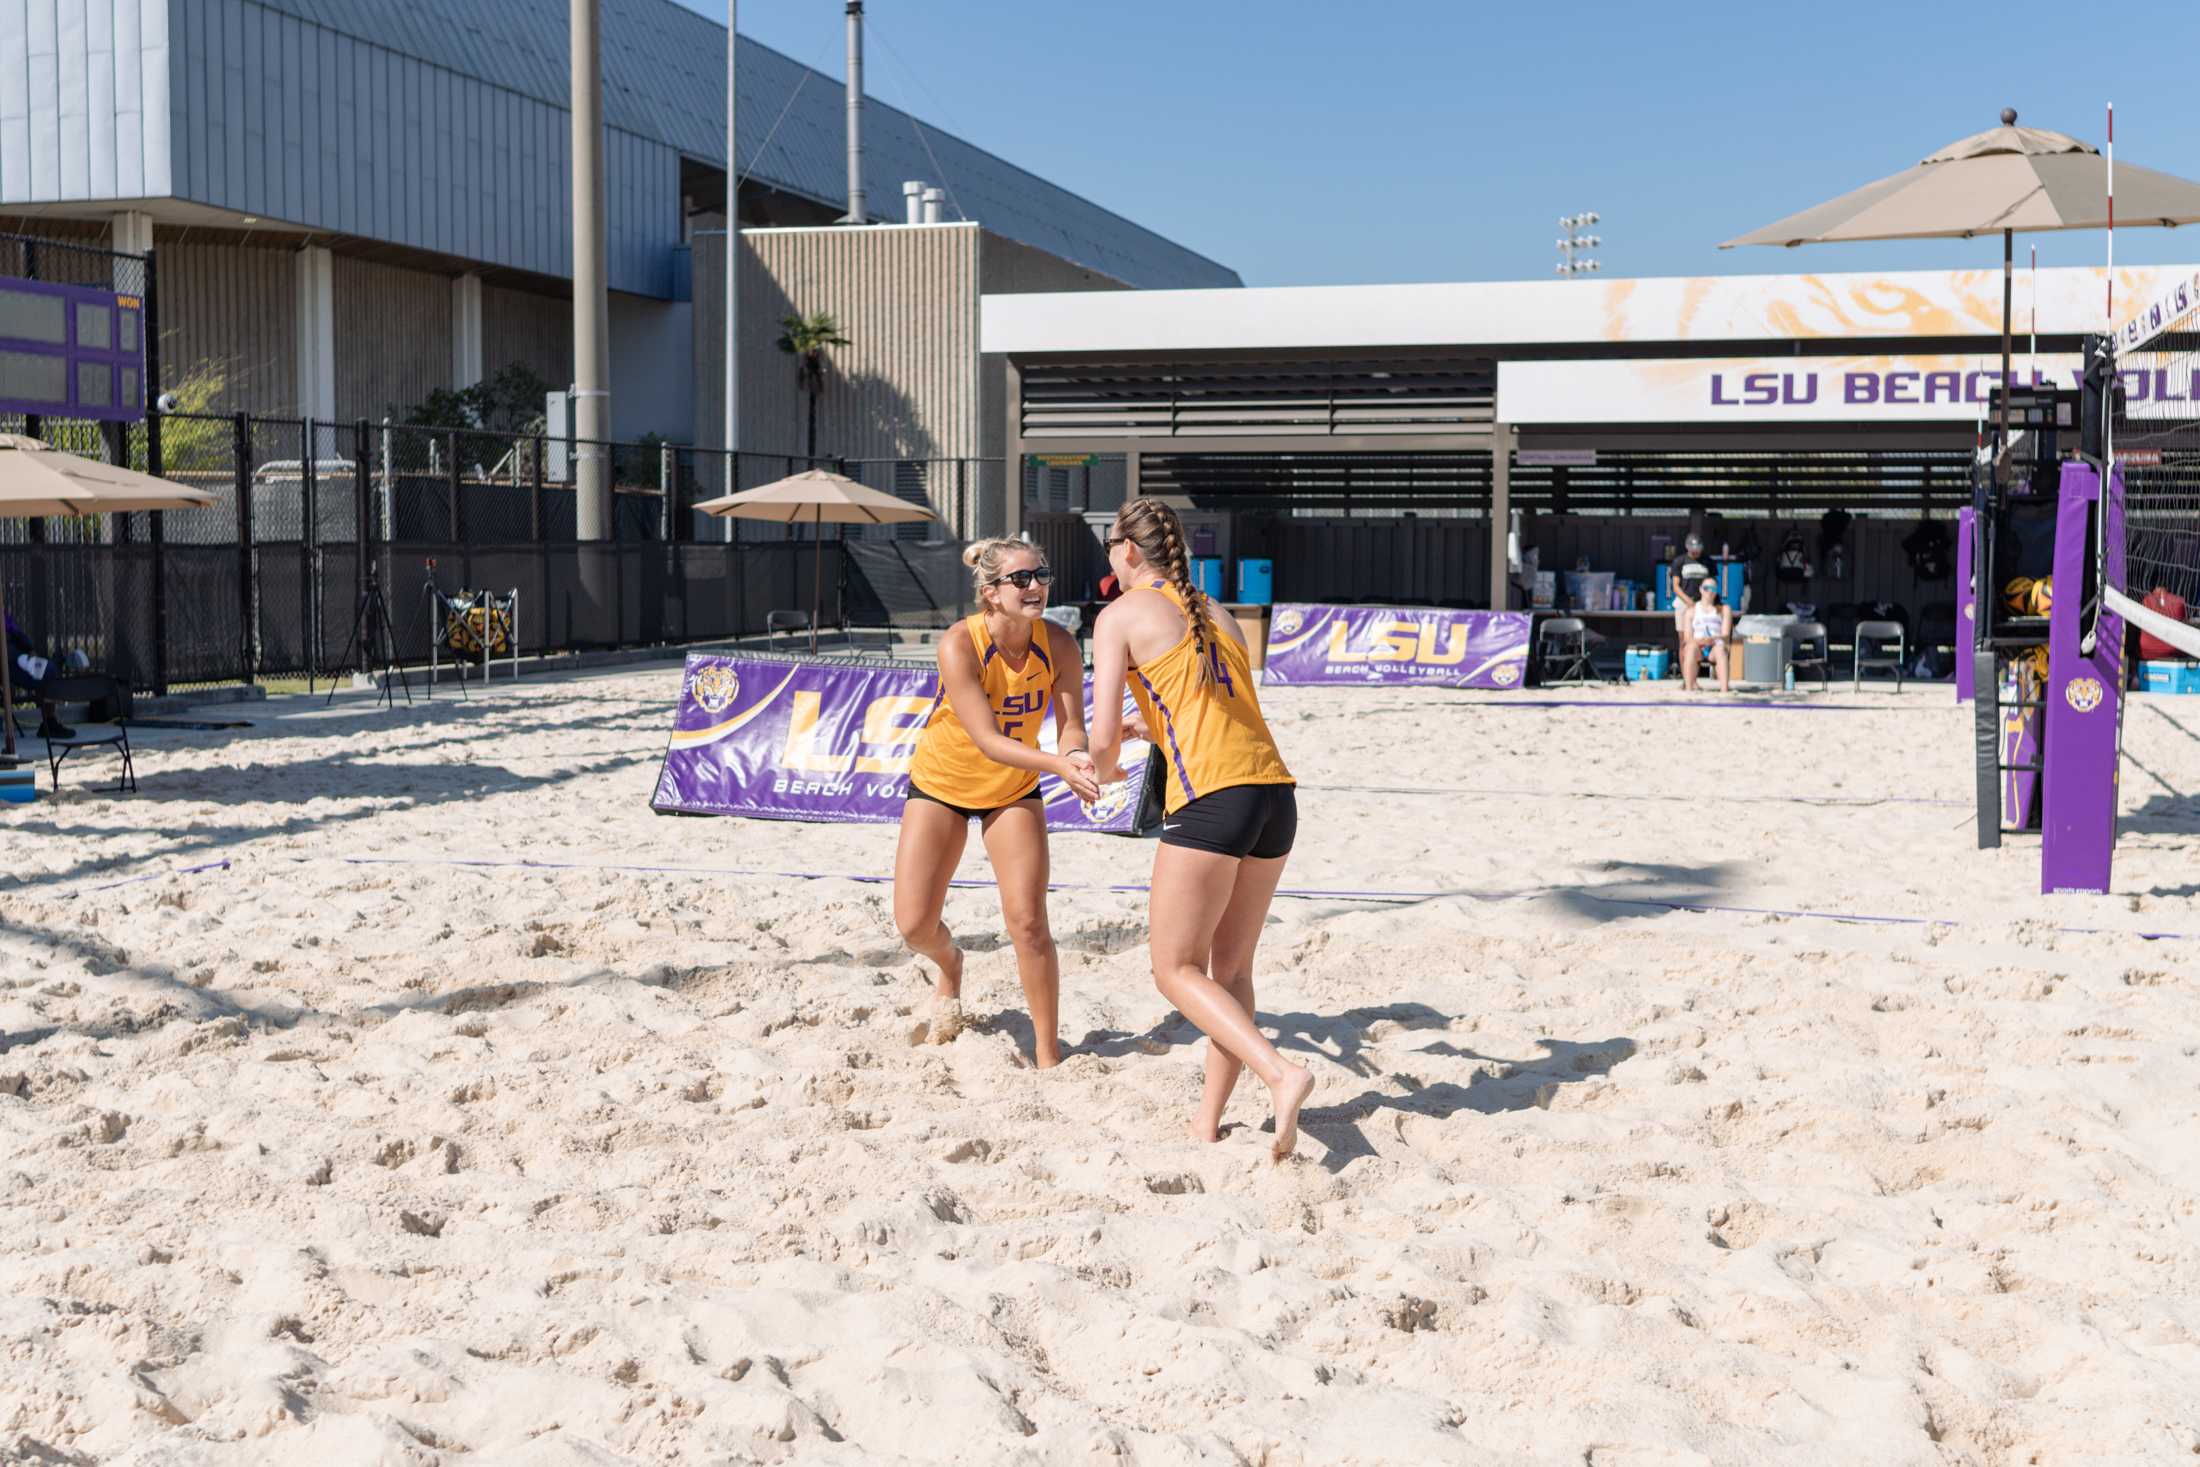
x,y
975,551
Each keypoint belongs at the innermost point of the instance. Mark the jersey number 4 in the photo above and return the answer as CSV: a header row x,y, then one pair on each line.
x,y
1221,670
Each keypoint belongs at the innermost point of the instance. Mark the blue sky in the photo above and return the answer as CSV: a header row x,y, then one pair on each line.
x,y
1413,140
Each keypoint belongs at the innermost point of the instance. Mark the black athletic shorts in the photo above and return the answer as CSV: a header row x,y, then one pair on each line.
x,y
1257,820
964,810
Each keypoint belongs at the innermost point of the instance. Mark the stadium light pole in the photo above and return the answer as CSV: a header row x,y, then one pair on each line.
x,y
1575,244
591,305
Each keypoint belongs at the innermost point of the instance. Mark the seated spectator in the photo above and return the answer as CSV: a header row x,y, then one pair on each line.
x,y
1710,627
2171,605
35,675
1687,571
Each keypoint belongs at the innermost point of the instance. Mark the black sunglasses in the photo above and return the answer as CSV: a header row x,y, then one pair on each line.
x,y
1114,540
1022,579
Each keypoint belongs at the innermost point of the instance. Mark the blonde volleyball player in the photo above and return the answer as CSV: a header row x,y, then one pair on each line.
x,y
979,759
1231,805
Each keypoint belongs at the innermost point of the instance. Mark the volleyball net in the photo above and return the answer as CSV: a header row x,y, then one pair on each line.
x,y
2156,438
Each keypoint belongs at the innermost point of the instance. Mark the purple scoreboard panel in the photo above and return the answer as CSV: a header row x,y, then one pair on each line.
x,y
71,351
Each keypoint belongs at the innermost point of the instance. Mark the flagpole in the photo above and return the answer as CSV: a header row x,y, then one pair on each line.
x,y
2090,630
733,267
2111,322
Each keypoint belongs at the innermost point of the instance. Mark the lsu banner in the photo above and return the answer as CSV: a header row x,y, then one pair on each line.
x,y
1397,644
812,741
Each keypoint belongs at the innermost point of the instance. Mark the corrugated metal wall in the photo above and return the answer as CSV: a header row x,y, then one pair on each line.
x,y
393,334
234,311
286,119
665,80
913,385
84,102
443,127
906,299
536,331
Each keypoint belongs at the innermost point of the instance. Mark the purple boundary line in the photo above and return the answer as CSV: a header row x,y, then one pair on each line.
x,y
1726,702
1833,800
221,865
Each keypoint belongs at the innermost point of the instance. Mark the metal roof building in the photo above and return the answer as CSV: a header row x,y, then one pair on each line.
x,y
441,127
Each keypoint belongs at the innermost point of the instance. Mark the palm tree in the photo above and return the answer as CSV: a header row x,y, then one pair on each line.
x,y
805,338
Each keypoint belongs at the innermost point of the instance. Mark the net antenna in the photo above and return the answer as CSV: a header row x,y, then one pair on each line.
x,y
2152,430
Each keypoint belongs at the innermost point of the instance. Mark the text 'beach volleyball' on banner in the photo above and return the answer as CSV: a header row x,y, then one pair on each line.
x,y
1397,644
809,741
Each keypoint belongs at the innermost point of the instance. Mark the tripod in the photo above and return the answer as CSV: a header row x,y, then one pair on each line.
x,y
370,628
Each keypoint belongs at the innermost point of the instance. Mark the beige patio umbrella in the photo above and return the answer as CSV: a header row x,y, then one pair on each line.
x,y
816,498
37,481
2004,180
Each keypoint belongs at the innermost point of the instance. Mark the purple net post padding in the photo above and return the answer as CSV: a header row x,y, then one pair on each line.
x,y
1397,645
826,742
1967,592
2084,690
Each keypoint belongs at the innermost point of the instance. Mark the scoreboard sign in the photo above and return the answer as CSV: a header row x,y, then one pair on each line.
x,y
71,351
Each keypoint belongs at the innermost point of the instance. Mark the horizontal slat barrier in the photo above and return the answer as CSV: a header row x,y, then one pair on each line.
x,y
1373,394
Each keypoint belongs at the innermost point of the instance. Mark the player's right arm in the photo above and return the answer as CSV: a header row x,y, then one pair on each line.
x,y
1111,664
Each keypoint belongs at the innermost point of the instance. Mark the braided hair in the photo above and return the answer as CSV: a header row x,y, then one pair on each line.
x,y
1152,525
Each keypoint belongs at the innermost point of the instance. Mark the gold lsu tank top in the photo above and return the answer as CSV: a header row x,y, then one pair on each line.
x,y
948,766
1211,733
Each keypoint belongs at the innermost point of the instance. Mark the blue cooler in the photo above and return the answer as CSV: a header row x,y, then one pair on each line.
x,y
18,786
1648,664
1256,579
2161,677
1733,575
1207,575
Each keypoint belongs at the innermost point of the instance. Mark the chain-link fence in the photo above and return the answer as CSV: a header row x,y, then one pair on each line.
x,y
308,518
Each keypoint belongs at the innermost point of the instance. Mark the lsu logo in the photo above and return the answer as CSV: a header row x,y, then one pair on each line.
x,y
1401,641
715,687
1505,674
2084,694
888,736
1114,800
1289,620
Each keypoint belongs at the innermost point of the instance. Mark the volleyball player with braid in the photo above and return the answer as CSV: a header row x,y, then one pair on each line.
x,y
1231,806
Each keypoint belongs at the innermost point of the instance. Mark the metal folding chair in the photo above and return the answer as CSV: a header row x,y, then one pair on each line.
x,y
115,736
1562,652
776,622
1812,651
1872,640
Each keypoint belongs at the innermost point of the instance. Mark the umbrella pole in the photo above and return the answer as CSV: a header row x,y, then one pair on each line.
x,y
2008,287
7,680
817,575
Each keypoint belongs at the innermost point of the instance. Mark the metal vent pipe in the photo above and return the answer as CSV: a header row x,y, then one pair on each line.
x,y
857,213
912,201
933,197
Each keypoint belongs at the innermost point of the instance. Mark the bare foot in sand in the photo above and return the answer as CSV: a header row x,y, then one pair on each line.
x,y
1289,1093
1199,1130
951,975
947,1021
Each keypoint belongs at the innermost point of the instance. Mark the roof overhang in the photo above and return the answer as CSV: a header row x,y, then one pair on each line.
x,y
1936,304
